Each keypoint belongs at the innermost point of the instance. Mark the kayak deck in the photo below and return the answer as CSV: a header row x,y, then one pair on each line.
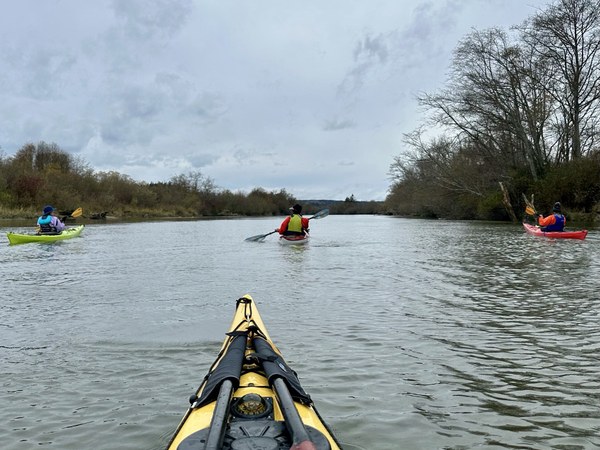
x,y
537,231
250,397
23,238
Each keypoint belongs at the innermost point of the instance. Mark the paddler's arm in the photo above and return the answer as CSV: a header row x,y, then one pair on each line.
x,y
545,221
284,225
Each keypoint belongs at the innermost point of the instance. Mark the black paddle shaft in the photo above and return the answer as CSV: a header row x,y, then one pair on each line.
x,y
217,428
290,413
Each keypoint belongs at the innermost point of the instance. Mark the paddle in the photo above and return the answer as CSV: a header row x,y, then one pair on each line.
x,y
78,212
320,214
528,204
261,237
529,208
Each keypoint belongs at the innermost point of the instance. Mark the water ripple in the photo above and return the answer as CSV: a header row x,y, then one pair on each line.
x,y
414,334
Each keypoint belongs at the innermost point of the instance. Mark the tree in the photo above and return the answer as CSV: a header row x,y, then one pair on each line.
x,y
194,181
495,102
566,37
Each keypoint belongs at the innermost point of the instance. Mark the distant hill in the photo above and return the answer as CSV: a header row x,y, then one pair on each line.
x,y
343,206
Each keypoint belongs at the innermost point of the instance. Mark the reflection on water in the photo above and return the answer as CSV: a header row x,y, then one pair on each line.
x,y
412,334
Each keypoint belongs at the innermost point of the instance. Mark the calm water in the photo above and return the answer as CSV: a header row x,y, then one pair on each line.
x,y
413,334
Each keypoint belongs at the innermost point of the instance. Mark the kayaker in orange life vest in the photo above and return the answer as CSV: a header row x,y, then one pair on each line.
x,y
294,224
555,221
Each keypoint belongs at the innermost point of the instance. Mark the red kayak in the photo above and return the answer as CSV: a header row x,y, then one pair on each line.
x,y
537,231
294,240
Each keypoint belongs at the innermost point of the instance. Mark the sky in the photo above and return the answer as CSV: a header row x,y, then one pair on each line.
x,y
310,96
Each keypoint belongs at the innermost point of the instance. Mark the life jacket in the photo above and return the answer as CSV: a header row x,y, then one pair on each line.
x,y
295,224
44,222
559,225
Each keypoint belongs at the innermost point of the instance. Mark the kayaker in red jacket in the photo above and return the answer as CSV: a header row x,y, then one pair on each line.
x,y
555,221
294,224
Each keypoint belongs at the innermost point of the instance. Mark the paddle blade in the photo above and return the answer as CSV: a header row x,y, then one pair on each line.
x,y
528,203
320,214
259,237
529,210
78,212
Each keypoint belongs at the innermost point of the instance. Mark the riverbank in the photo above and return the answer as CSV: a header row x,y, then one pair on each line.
x,y
118,215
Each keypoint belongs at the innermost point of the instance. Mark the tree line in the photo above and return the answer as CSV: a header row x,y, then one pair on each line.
x,y
43,173
519,115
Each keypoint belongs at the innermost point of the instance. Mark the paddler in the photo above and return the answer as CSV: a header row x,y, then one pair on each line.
x,y
555,221
48,222
294,224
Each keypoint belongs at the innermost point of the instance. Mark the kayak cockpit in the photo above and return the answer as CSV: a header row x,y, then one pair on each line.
x,y
251,398
260,434
250,420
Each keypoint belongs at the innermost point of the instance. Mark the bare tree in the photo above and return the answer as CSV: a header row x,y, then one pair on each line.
x,y
445,162
517,107
566,37
495,101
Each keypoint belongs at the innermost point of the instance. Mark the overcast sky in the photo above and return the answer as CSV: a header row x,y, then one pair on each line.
x,y
310,96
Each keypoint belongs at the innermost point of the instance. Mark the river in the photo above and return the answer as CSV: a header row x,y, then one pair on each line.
x,y
408,334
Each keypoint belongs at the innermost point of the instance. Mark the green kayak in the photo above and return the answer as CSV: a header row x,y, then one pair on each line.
x,y
17,238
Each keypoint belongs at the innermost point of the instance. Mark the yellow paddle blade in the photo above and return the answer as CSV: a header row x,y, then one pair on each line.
x,y
527,202
529,210
78,212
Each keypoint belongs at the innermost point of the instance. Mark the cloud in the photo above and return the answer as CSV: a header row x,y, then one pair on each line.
x,y
141,20
338,124
369,52
312,97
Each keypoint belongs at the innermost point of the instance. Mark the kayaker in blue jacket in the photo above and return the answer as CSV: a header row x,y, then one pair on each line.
x,y
48,222
555,221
